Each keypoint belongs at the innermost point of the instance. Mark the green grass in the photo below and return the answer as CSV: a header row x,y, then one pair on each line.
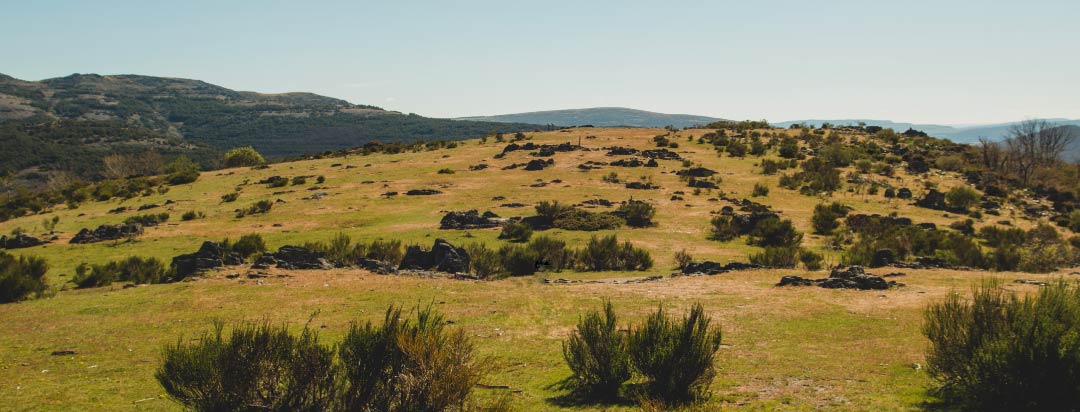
x,y
785,348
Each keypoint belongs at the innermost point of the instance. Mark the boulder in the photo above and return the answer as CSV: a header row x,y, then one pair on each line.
x,y
842,277
421,192
621,151
883,257
295,257
471,219
264,262
536,164
442,257
713,268
377,266
662,154
696,172
903,193
209,256
107,232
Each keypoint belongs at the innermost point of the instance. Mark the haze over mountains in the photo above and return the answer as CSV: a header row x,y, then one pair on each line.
x,y
620,116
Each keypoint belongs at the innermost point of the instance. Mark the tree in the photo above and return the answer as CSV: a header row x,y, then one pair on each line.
x,y
961,197
1033,144
243,156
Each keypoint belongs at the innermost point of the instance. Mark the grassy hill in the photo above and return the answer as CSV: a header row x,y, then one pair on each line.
x,y
784,348
600,117
51,123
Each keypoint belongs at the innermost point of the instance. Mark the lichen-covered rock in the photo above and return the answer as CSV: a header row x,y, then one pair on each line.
x,y
108,232
471,219
442,257
295,257
842,277
20,241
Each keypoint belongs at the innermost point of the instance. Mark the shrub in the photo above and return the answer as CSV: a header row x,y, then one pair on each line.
x,y
255,367
516,232
605,253
518,260
597,355
1003,352
408,366
583,220
230,197
683,259
811,260
484,262
676,356
192,215
776,257
760,189
248,245
961,197
262,206
275,181
637,213
133,269
775,232
446,171
826,215
724,228
243,156
384,250
299,180
552,252
181,171
21,277
152,219
1074,220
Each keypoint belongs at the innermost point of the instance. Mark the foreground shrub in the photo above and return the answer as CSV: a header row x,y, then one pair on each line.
x,y
1003,352
826,215
597,355
676,355
407,367
257,367
21,277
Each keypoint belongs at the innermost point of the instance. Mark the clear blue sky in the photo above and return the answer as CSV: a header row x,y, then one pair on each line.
x,y
923,61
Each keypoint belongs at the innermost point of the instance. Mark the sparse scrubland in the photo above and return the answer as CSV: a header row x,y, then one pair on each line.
x,y
564,295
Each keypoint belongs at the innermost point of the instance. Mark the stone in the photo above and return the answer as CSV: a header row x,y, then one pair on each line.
x,y
20,241
209,256
295,257
377,266
442,257
107,232
882,257
471,219
422,192
933,200
903,193
696,172
536,164
264,262
714,268
843,277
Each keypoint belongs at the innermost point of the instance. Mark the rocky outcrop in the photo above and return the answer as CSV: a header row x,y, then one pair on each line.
x,y
20,241
471,219
714,268
696,172
701,184
662,154
107,232
842,277
298,258
209,256
933,200
621,151
536,164
422,192
442,257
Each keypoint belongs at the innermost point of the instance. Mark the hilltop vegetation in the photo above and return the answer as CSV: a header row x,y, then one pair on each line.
x,y
637,216
72,123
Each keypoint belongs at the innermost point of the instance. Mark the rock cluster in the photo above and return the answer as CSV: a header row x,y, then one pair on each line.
x,y
107,232
422,192
696,172
294,258
471,219
621,151
933,200
20,241
842,277
442,257
628,163
714,268
662,154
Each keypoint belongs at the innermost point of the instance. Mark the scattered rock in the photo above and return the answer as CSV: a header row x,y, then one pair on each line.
x,y
471,219
696,172
20,241
662,154
536,164
422,192
1030,282
842,277
209,256
295,257
903,193
641,186
933,200
442,257
714,268
62,353
107,232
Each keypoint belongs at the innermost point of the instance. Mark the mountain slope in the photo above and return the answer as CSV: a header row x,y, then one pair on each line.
x,y
133,113
600,117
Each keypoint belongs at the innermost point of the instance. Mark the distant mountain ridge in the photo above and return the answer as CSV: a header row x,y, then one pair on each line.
x,y
959,134
600,117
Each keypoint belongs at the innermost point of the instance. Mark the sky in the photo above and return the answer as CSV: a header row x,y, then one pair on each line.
x,y
944,62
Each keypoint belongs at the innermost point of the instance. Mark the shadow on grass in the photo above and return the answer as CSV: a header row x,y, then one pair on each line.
x,y
571,398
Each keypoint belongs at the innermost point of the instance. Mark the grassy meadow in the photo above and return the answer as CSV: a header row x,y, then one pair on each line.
x,y
784,348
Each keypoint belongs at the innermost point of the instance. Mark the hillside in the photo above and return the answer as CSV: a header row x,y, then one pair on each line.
x,y
797,348
600,117
73,116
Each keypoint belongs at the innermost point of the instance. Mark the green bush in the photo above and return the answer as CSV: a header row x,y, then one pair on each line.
x,y
826,215
181,171
405,366
256,367
776,257
192,215
243,156
760,190
151,219
484,262
21,277
516,232
637,213
961,197
260,207
132,269
597,355
552,252
605,253
518,260
811,260
299,180
676,356
248,245
446,171
775,232
1002,352
724,228
230,197
584,220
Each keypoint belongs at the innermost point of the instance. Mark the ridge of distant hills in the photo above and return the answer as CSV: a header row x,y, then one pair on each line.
x,y
600,117
72,122
959,134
